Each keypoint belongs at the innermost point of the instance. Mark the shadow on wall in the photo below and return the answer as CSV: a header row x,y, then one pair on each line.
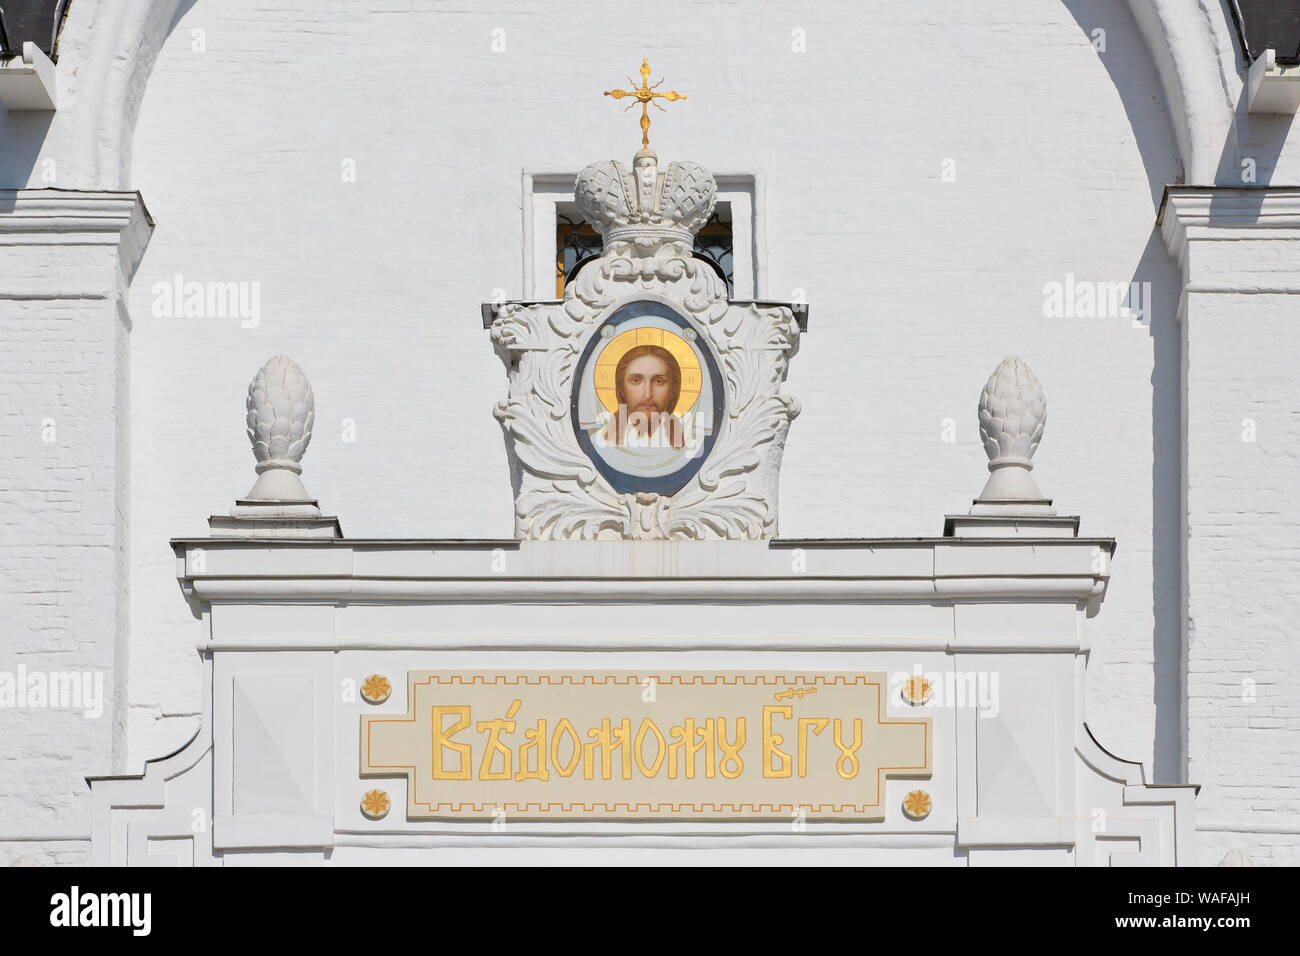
x,y
22,135
1121,49
1255,141
1254,146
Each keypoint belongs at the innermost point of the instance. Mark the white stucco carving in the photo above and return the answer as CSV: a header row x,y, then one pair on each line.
x,y
1012,415
635,208
281,414
648,224
1012,412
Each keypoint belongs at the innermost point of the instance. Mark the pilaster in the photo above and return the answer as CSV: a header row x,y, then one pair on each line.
x,y
66,257
1238,249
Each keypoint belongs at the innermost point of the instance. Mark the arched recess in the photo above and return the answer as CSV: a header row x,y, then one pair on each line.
x,y
107,50
112,47
1196,59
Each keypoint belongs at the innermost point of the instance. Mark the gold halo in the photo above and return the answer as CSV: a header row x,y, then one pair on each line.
x,y
608,357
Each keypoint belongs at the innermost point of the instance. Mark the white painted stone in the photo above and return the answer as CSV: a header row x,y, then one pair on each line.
x,y
1013,411
281,414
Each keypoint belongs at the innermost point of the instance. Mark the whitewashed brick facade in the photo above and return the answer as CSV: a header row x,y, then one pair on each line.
x,y
923,173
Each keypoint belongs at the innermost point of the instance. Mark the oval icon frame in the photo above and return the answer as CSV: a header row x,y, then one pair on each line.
x,y
625,482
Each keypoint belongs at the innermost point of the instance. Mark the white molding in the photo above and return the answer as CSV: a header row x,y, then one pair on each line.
x,y
123,806
1218,214
603,591
512,640
947,569
1194,54
71,210
282,830
526,225
71,217
542,189
1140,805
1198,213
1231,207
1015,831
740,192
762,275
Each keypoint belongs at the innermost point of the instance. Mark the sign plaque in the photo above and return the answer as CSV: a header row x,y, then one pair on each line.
x,y
558,745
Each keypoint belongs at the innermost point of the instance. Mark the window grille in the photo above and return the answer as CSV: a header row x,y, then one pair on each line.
x,y
576,242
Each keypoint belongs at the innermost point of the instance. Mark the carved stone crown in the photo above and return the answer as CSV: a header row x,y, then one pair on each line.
x,y
645,207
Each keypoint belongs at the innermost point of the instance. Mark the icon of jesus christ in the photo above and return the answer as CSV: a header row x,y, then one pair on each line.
x,y
647,384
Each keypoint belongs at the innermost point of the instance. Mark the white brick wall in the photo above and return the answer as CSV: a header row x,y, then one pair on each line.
x,y
1244,569
63,494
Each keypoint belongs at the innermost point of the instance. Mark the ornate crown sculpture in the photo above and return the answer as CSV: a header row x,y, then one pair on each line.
x,y
640,207
647,283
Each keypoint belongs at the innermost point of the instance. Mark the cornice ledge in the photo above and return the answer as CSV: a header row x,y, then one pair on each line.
x,y
1196,212
179,544
331,589
44,216
60,210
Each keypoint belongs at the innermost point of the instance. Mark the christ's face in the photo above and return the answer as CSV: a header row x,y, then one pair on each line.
x,y
647,386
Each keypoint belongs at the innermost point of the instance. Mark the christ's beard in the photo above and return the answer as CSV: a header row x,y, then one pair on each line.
x,y
646,419
643,415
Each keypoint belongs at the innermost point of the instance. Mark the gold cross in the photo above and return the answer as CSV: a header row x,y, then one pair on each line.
x,y
645,95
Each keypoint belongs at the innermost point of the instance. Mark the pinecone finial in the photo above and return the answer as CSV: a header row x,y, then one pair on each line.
x,y
1012,412
281,414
